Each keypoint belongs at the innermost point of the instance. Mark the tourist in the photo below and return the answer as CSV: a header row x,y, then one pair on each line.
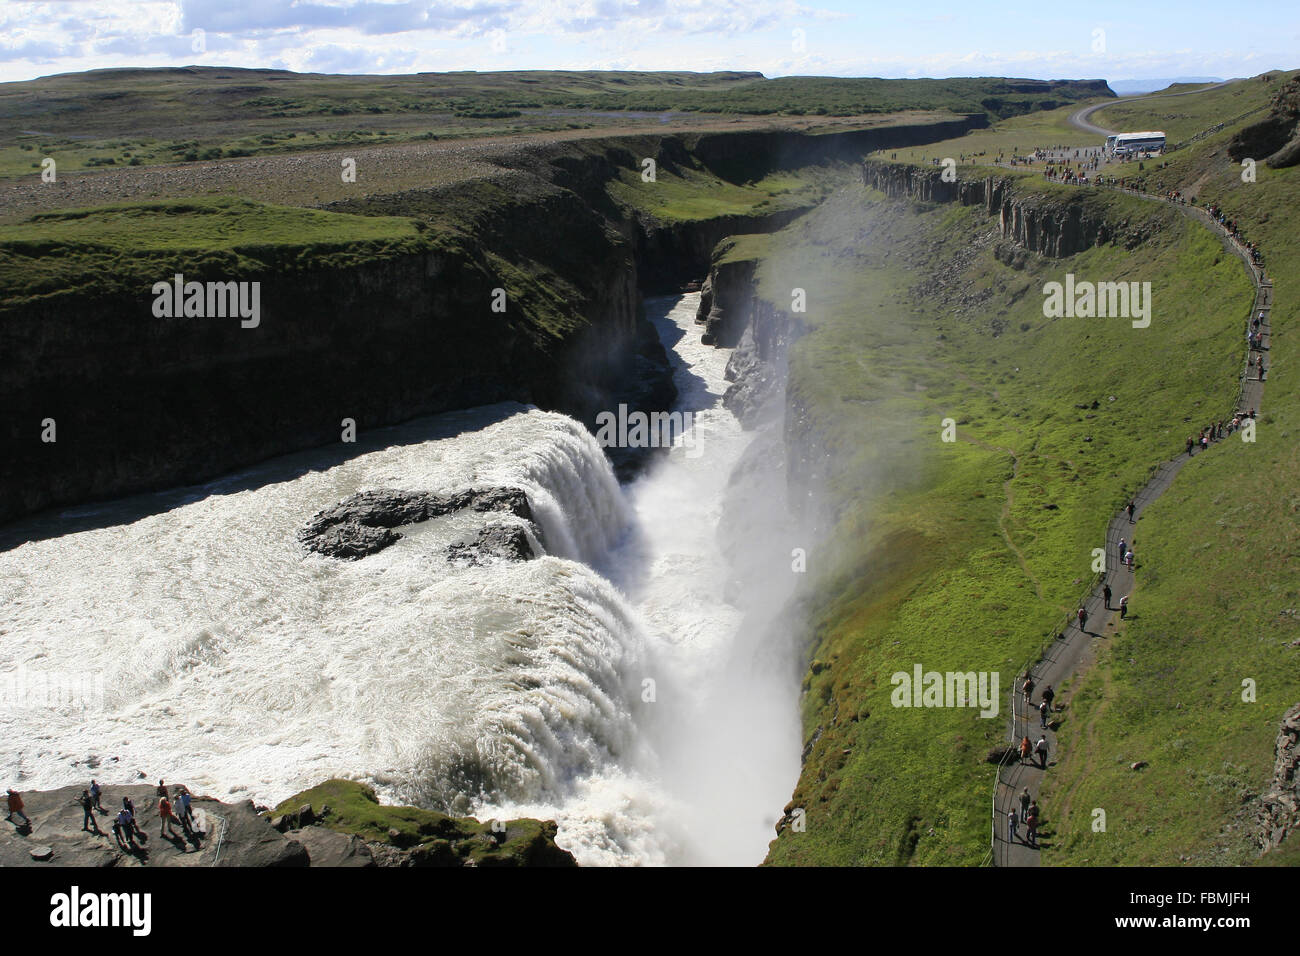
x,y
1025,748
1082,615
1049,695
1105,593
1031,825
1025,800
1132,506
16,808
123,829
1028,688
1040,748
1012,822
165,814
95,793
88,812
1123,607
1042,714
186,814
162,789
129,807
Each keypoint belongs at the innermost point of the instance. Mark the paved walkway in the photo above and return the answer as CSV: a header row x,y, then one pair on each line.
x,y
1069,653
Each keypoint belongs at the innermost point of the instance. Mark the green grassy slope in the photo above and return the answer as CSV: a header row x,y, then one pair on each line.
x,y
1182,116
965,556
132,245
1221,605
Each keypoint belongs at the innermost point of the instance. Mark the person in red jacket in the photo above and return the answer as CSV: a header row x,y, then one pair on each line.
x,y
16,808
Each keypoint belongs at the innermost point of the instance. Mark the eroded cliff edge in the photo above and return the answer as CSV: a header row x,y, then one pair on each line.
x,y
142,403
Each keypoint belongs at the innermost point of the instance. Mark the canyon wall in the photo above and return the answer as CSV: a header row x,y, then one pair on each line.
x,y
141,403
1056,225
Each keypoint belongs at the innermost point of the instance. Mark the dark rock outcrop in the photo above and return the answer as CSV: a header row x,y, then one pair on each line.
x,y
1276,138
351,540
1275,814
226,834
1056,226
362,524
330,848
726,299
406,836
508,542
759,333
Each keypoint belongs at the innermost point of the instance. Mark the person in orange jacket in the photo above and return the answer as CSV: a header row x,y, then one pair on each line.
x,y
16,807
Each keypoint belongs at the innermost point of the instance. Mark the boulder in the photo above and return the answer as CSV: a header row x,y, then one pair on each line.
x,y
508,542
327,847
362,524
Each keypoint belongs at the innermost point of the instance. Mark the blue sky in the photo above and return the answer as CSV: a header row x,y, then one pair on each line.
x,y
1101,38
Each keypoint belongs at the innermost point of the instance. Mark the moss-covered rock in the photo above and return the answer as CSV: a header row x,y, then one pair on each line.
x,y
423,837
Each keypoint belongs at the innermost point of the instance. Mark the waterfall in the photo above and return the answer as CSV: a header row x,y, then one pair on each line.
x,y
231,658
198,641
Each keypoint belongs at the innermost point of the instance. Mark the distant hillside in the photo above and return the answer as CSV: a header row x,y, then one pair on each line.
x,y
1132,87
186,114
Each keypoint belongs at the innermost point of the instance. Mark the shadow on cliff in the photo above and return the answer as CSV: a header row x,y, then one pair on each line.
x,y
56,522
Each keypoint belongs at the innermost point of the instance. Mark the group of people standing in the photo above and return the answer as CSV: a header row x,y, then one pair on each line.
x,y
1217,431
126,826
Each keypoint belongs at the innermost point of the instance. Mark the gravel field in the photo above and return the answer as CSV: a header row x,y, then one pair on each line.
x,y
313,178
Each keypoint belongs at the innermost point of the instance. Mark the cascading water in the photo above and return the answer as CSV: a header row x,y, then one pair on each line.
x,y
202,644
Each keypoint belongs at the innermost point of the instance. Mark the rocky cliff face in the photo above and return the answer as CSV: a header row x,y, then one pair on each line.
x,y
727,298
1056,226
240,834
1275,815
761,334
1276,138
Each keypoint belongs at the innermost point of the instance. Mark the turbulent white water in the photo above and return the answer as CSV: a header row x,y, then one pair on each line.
x,y
228,658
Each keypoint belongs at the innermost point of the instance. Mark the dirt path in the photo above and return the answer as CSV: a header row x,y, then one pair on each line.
x,y
1075,648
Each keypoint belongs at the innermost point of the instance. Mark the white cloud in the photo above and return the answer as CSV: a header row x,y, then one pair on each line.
x,y
392,36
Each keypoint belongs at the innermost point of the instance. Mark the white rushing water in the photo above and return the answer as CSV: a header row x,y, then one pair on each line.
x,y
188,635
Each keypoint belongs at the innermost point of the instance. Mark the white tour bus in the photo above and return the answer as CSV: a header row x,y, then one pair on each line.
x,y
1130,144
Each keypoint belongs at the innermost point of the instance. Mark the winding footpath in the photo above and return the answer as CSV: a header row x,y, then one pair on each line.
x,y
1074,648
